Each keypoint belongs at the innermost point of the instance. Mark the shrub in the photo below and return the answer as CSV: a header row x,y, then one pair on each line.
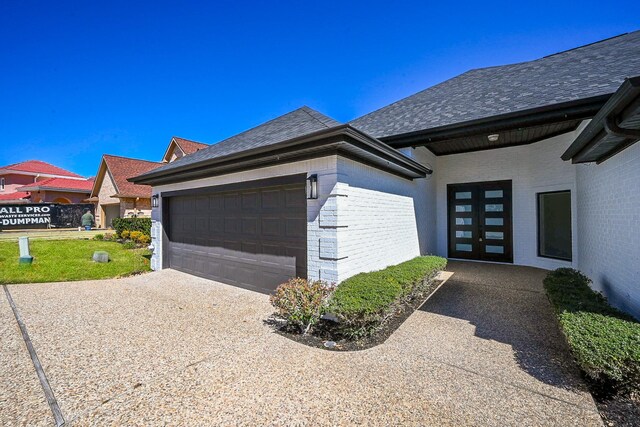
x,y
604,341
144,239
109,236
129,245
142,225
301,302
124,234
98,237
135,235
363,302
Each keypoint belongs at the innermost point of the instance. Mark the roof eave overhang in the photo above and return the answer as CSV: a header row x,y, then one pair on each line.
x,y
64,190
131,196
38,174
343,140
561,112
617,124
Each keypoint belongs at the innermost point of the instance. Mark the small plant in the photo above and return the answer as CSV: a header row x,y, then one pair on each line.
x,y
144,239
129,245
109,236
135,235
301,302
124,234
98,237
363,302
142,225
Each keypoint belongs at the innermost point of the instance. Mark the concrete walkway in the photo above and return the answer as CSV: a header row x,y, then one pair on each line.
x,y
170,349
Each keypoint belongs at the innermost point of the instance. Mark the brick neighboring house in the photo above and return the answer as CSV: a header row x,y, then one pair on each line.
x,y
115,196
180,147
35,181
118,198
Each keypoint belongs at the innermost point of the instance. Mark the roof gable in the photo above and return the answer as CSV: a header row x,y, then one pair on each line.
x,y
120,169
189,147
585,72
184,145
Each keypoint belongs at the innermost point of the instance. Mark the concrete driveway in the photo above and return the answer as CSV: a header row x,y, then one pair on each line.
x,y
167,348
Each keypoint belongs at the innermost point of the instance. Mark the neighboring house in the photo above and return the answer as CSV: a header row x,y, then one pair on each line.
x,y
476,167
180,147
34,181
116,197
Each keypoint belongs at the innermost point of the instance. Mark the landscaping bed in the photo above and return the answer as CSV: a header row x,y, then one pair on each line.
x,y
360,313
68,260
604,341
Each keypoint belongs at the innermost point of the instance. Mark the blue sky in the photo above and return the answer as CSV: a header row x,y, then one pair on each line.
x,y
80,79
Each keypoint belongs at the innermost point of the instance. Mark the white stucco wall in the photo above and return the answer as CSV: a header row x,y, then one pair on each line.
x,y
533,168
609,227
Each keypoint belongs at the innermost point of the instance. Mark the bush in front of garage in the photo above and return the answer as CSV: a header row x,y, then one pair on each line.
x,y
301,302
365,301
142,225
604,341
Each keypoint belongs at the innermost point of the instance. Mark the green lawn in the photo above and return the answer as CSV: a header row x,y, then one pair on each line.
x,y
63,260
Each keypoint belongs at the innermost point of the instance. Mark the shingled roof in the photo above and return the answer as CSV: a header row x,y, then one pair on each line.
x,y
60,184
585,72
41,168
299,122
188,146
122,168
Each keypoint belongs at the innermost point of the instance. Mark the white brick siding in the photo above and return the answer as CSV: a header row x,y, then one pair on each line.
x,y
609,227
380,214
533,169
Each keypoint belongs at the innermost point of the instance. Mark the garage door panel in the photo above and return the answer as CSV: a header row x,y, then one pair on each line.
x,y
231,225
293,199
251,237
271,199
250,226
271,226
231,203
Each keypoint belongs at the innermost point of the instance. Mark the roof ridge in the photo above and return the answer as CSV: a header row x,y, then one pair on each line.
x,y
131,158
587,45
257,126
314,115
73,174
189,140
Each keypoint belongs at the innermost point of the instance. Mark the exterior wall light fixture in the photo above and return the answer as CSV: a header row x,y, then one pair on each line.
x,y
312,187
154,201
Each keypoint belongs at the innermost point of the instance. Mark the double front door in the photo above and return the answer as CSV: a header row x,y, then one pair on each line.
x,y
480,221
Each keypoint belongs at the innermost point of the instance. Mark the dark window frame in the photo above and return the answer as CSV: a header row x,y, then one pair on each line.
x,y
2,183
538,228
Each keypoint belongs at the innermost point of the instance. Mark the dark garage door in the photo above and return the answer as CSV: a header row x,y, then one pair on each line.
x,y
251,234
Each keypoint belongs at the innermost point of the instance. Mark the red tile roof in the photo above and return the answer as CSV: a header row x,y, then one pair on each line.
x,y
122,168
59,184
39,167
14,196
188,146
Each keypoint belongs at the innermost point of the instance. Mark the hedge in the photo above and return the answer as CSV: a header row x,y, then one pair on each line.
x,y
142,225
363,302
604,341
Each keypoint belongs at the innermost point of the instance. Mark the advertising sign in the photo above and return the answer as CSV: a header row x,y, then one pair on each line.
x,y
42,215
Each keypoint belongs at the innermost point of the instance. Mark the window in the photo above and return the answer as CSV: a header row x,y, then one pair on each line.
x,y
1,184
554,225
